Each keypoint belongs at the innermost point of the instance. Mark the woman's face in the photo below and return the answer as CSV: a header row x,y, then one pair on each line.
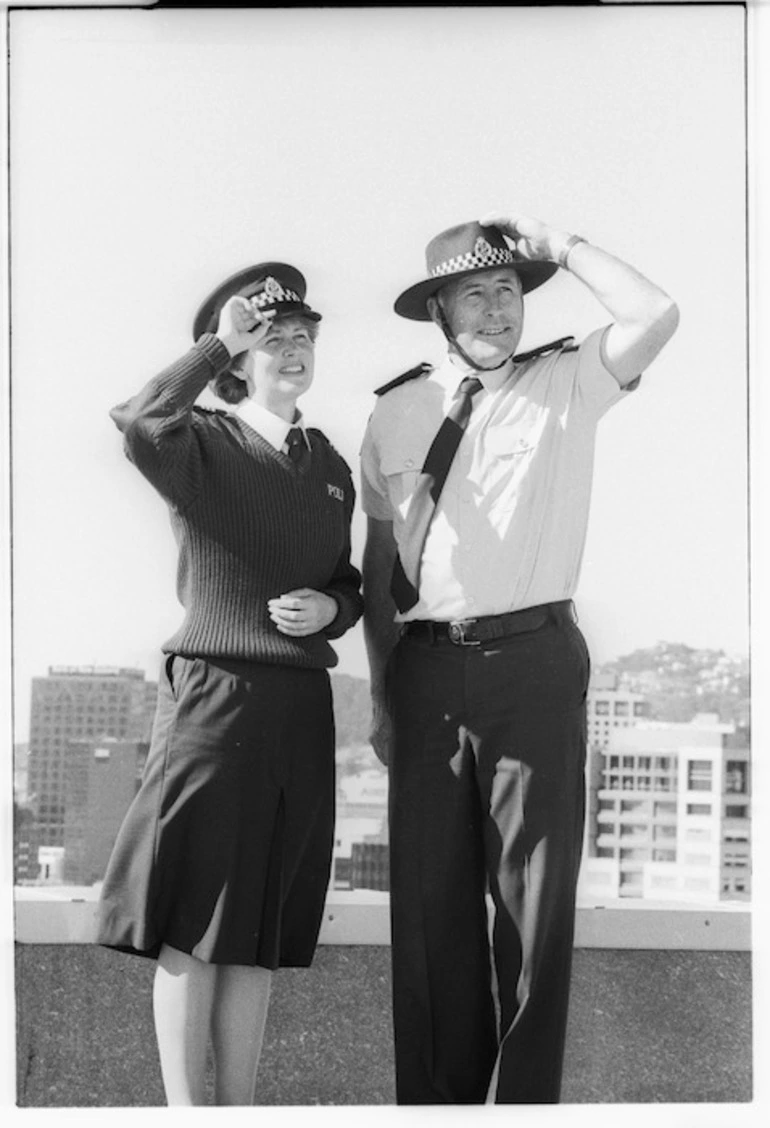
x,y
280,368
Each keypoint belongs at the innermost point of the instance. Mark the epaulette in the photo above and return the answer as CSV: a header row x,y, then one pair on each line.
x,y
421,370
564,344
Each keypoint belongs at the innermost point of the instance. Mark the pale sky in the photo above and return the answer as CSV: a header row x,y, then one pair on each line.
x,y
154,153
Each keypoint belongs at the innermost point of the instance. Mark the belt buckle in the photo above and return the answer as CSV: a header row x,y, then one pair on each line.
x,y
456,632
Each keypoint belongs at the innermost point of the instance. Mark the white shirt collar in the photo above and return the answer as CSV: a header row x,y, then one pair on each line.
x,y
270,426
453,370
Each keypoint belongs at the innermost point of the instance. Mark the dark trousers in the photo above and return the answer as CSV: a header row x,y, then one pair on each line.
x,y
486,794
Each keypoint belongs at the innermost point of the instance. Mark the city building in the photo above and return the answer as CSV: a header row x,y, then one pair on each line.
x,y
610,705
101,780
672,813
736,820
26,843
73,704
360,859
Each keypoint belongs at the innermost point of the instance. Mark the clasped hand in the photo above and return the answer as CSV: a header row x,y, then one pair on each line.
x,y
303,611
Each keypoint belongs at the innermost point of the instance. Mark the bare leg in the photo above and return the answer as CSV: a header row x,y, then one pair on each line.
x,y
183,997
238,1027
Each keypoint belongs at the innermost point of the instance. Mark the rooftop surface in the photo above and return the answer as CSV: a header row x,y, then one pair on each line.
x,y
645,1026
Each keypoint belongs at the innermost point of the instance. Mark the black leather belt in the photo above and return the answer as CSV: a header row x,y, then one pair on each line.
x,y
472,632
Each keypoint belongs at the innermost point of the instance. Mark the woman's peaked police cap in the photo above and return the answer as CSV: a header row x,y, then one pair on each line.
x,y
460,251
275,285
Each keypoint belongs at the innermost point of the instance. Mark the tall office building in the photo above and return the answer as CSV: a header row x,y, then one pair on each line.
x,y
672,813
101,780
74,703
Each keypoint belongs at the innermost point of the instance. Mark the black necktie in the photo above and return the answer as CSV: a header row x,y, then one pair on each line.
x,y
298,452
405,581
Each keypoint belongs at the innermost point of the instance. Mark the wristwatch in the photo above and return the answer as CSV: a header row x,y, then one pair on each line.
x,y
564,252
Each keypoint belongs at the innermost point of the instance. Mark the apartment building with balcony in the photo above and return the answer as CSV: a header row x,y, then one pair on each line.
x,y
662,830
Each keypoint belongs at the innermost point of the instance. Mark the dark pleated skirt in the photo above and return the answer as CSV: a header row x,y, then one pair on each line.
x,y
225,852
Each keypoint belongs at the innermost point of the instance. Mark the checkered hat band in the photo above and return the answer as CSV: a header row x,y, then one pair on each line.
x,y
274,292
492,256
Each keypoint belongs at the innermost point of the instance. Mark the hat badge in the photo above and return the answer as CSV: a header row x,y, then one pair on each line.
x,y
484,251
273,288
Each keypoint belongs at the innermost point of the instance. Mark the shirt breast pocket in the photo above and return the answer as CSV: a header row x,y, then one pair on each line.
x,y
508,459
509,443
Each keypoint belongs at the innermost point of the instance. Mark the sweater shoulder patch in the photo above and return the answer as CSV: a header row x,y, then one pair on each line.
x,y
209,411
316,432
412,374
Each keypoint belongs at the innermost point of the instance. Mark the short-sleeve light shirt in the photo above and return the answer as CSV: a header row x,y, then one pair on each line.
x,y
510,525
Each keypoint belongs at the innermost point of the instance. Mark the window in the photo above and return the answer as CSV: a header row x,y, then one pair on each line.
x,y
605,852
698,834
661,855
643,783
635,854
621,708
605,828
614,762
664,832
632,830
628,761
663,763
696,883
639,709
698,808
606,804
602,708
665,809
699,775
645,763
736,777
633,805
736,811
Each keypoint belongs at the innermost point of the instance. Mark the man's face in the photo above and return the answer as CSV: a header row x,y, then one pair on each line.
x,y
485,311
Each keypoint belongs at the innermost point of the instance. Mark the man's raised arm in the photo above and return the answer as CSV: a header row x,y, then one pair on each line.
x,y
644,316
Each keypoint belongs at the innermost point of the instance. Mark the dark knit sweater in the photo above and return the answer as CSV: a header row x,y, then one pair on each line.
x,y
249,524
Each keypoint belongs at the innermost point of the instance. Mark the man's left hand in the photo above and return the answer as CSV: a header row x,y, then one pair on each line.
x,y
532,239
303,611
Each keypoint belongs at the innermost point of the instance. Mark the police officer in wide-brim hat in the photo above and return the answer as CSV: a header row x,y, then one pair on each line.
x,y
466,250
476,479
463,250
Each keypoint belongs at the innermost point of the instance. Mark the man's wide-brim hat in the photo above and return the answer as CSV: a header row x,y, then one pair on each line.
x,y
274,286
460,251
